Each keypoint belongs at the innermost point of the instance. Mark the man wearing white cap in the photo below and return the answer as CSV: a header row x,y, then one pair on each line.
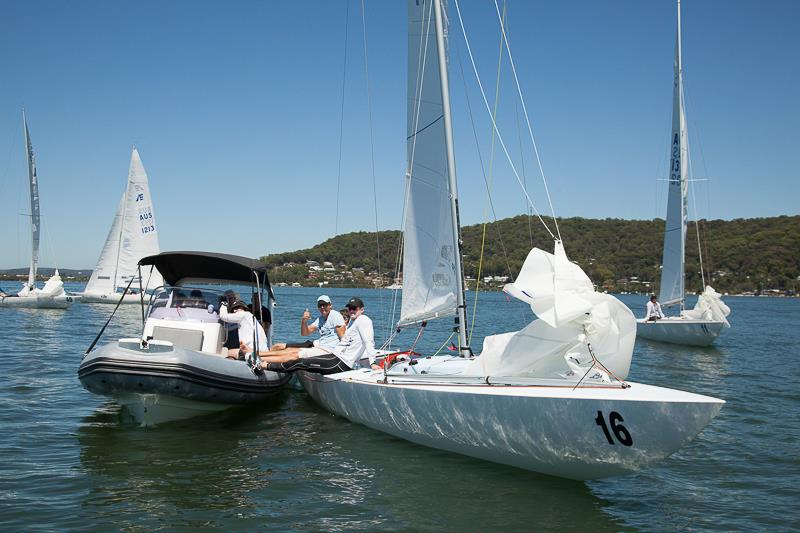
x,y
329,323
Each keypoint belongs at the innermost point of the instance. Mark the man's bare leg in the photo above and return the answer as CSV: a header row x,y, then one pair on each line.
x,y
280,356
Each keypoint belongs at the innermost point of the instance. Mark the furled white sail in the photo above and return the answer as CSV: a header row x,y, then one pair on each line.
x,y
430,263
35,214
710,306
133,235
672,276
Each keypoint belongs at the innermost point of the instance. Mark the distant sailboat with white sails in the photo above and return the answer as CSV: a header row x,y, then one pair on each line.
x,y
133,235
703,324
52,295
551,397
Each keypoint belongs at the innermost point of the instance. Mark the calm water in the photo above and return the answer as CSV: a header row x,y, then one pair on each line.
x,y
74,461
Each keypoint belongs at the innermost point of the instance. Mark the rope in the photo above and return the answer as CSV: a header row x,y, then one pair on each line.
x,y
596,362
445,344
694,203
483,170
341,115
89,349
488,192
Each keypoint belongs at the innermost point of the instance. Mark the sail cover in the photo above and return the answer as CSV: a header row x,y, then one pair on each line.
x,y
33,182
672,277
133,235
430,280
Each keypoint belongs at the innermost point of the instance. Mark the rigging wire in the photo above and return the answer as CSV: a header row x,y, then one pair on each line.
x,y
494,124
483,169
525,110
372,147
522,164
704,241
489,189
341,115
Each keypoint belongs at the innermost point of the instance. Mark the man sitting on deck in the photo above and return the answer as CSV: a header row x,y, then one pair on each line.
x,y
653,312
330,324
358,341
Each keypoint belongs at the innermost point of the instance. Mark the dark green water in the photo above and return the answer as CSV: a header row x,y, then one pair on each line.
x,y
73,461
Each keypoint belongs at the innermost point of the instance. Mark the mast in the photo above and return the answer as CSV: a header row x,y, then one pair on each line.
x,y
33,185
463,346
672,275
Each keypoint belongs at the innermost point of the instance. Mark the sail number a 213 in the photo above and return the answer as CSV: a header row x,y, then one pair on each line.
x,y
615,422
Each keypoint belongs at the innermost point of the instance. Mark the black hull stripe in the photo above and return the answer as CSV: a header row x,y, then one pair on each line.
x,y
183,372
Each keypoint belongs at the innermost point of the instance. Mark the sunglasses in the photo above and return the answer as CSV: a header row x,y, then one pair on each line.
x,y
320,305
352,307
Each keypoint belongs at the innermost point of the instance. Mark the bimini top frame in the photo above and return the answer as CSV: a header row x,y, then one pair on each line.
x,y
179,268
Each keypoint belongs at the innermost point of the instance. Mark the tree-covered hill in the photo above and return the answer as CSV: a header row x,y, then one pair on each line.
x,y
740,255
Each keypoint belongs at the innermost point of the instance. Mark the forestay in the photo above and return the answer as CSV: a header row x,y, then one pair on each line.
x,y
430,273
574,324
672,277
133,235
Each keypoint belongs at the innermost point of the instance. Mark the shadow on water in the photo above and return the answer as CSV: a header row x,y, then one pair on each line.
x,y
293,466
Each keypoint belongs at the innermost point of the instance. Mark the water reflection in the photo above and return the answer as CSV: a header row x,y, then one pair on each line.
x,y
296,467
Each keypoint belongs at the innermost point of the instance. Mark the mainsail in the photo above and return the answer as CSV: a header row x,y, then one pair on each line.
x,y
133,235
672,276
431,261
35,215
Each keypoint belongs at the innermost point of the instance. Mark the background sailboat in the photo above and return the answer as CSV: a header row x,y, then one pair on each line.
x,y
699,326
550,397
52,295
133,235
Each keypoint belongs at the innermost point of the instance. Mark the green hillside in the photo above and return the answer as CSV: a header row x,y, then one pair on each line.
x,y
741,255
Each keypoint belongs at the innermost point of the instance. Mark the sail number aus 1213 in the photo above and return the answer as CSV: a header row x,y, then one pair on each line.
x,y
615,421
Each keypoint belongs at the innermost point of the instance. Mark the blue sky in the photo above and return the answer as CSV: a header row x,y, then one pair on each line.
x,y
235,108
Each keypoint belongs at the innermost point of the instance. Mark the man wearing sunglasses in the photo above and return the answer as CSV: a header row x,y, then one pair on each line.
x,y
329,323
357,342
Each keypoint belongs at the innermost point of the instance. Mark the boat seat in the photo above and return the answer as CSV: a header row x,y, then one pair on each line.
x,y
191,339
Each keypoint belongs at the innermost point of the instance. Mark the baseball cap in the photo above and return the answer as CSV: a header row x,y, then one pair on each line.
x,y
355,302
324,298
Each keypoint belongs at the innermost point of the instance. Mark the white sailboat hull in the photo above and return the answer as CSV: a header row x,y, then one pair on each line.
x,y
111,298
36,301
541,427
680,330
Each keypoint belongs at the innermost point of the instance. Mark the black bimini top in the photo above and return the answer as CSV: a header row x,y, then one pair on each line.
x,y
177,267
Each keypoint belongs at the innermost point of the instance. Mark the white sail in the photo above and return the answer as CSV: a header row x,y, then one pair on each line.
x,y
33,182
430,262
572,317
102,279
672,276
133,235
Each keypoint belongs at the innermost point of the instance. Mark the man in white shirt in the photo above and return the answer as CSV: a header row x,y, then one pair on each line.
x,y
329,323
331,326
653,312
358,341
250,329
